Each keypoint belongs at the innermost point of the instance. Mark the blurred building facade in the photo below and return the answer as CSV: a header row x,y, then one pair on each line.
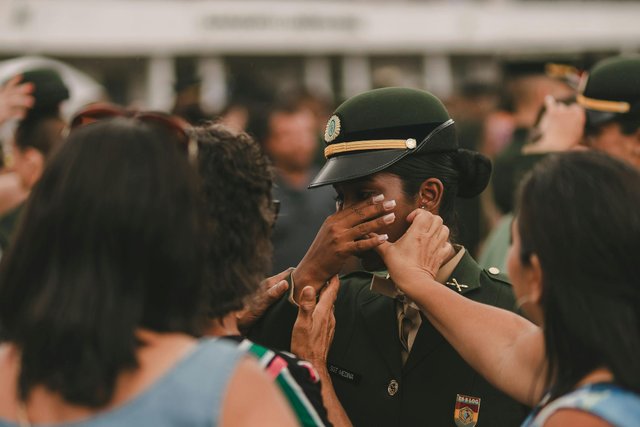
x,y
136,48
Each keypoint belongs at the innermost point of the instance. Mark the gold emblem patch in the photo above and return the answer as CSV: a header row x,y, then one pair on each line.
x,y
466,411
333,129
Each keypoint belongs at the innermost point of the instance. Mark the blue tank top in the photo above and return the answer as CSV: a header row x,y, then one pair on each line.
x,y
615,405
190,394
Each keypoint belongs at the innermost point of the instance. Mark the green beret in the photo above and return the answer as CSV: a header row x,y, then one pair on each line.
x,y
611,88
373,130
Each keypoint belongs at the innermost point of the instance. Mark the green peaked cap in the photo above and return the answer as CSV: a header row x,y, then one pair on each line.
x,y
611,88
371,131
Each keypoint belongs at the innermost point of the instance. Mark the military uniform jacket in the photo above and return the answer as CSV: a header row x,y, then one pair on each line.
x,y
365,358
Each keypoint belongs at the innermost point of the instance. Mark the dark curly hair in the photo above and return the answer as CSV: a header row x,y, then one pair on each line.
x,y
236,184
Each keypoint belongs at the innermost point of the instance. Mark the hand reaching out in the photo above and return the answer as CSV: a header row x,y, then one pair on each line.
x,y
420,251
313,331
271,290
561,127
15,99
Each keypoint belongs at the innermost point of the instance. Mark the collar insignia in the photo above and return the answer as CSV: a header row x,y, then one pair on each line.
x,y
454,284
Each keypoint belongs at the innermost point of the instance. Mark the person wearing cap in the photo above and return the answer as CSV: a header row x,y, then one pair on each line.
x,y
606,116
390,151
38,134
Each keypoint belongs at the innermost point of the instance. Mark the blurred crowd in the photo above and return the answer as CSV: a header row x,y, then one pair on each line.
x,y
289,126
128,236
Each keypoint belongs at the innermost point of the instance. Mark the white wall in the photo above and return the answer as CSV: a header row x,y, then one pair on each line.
x,y
160,28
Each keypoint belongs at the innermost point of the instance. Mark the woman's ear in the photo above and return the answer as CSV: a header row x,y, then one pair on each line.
x,y
430,195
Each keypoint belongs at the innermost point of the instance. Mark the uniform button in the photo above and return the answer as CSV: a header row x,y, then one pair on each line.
x,y
392,388
494,270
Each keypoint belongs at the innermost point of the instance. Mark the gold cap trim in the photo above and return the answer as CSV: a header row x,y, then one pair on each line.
x,y
602,105
380,144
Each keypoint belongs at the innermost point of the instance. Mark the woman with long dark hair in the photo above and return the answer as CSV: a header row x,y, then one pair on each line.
x,y
573,262
102,295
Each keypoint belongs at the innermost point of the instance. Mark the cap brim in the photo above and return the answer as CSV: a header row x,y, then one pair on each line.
x,y
355,165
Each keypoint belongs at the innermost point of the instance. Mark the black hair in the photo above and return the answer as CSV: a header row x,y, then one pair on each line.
x,y
236,184
629,123
579,212
110,242
43,133
462,172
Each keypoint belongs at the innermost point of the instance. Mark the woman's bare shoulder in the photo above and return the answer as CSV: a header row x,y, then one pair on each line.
x,y
575,417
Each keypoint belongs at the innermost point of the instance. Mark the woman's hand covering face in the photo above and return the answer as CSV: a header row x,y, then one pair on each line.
x,y
345,233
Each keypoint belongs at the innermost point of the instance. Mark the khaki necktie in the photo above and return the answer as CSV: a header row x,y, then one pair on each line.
x,y
409,322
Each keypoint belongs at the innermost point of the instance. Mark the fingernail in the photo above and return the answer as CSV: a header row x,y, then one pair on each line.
x,y
383,237
378,198
389,218
389,204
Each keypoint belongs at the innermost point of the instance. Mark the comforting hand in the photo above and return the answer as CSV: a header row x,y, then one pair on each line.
x,y
15,99
313,331
561,127
270,291
345,233
420,251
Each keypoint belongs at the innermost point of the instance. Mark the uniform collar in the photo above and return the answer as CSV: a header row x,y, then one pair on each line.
x,y
452,273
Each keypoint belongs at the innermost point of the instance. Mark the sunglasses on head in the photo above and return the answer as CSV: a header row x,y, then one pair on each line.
x,y
179,129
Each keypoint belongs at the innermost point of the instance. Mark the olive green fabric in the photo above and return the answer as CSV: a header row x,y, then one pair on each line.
x,y
365,357
496,246
386,113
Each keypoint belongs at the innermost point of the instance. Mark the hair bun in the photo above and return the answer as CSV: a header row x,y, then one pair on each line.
x,y
474,172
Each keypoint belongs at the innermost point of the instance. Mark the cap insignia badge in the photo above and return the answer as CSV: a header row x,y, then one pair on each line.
x,y
333,129
466,411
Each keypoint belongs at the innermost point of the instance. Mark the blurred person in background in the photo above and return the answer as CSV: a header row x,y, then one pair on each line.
x,y
605,117
16,97
235,115
237,177
102,331
470,109
390,151
39,133
187,89
528,86
576,279
290,140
